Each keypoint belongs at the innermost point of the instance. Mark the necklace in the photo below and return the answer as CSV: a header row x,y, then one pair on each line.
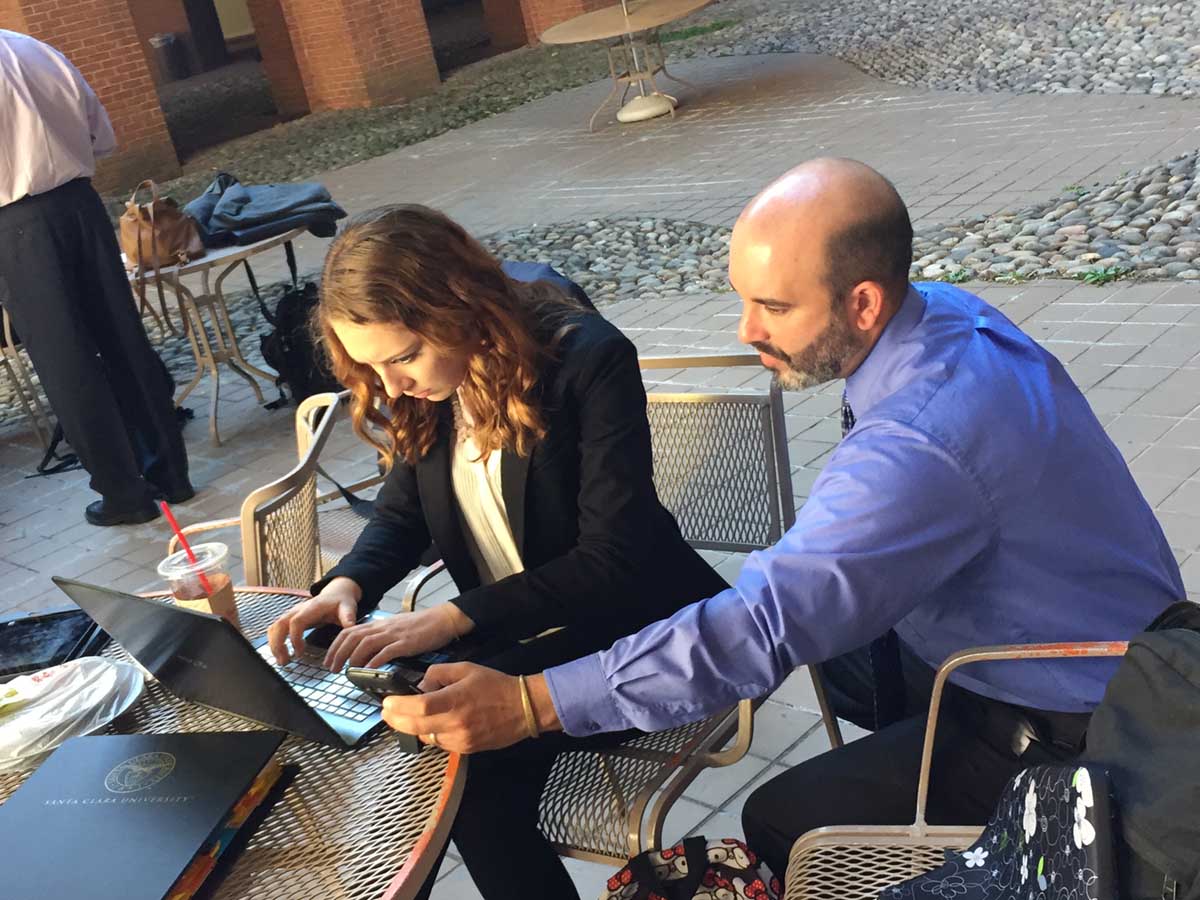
x,y
463,428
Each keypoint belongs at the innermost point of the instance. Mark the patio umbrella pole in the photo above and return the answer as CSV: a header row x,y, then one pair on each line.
x,y
644,106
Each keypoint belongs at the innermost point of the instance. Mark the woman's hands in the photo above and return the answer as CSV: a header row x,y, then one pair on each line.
x,y
337,604
372,643
405,634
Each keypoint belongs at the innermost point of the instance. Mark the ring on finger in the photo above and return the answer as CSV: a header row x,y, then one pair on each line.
x,y
432,738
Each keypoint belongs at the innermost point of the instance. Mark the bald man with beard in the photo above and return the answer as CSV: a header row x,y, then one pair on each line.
x,y
974,500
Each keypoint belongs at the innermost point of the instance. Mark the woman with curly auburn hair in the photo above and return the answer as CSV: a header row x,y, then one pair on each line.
x,y
514,418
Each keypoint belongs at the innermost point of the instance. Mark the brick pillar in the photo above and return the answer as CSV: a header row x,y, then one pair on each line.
x,y
12,17
278,57
542,14
505,23
361,52
99,38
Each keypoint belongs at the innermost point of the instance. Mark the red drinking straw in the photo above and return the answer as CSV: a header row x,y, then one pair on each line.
x,y
187,548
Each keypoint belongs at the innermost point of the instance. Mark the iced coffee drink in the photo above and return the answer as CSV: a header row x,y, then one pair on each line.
x,y
202,583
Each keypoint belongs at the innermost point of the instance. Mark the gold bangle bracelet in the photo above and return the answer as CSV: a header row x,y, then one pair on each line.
x,y
527,707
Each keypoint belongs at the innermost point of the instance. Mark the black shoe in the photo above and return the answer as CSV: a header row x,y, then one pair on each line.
x,y
104,513
179,494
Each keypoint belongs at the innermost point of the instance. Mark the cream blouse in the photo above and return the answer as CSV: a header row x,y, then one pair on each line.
x,y
480,497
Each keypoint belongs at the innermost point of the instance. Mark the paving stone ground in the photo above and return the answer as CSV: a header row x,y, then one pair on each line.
x,y
952,155
1133,348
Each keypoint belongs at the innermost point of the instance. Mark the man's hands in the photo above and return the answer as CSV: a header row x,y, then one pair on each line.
x,y
467,708
405,634
337,604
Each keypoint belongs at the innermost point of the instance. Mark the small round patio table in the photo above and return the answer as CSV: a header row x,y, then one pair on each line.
x,y
635,53
209,300
355,824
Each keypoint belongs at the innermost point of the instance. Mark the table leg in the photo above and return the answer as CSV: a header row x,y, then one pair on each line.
x,y
654,42
640,68
237,361
191,385
600,108
676,79
143,307
213,435
227,342
206,360
22,383
612,70
654,84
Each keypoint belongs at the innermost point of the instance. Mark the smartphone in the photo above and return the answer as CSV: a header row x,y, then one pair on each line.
x,y
382,682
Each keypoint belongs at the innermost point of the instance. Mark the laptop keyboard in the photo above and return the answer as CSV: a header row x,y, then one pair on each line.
x,y
321,689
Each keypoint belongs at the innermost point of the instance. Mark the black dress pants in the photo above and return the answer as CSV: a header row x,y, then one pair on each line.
x,y
980,744
496,829
62,282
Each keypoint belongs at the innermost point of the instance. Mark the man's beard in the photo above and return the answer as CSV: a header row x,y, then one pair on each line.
x,y
821,361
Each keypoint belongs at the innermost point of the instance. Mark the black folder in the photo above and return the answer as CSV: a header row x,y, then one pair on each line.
x,y
120,817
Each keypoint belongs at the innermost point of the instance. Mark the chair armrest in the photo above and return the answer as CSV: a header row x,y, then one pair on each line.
x,y
715,361
745,734
417,581
199,527
1073,650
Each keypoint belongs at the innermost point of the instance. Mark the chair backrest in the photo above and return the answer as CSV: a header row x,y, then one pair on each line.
x,y
280,539
310,413
721,460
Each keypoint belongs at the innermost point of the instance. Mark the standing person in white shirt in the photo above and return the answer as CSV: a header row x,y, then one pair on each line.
x,y
62,281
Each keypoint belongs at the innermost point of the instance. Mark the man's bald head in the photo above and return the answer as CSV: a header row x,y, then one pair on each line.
x,y
840,211
821,260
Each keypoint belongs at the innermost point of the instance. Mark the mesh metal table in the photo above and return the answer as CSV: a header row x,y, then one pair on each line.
x,y
209,300
354,824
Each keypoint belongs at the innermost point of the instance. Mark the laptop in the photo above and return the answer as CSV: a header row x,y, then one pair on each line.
x,y
203,658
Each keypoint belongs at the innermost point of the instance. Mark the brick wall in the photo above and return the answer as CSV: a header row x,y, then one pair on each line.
x,y
12,17
361,52
325,53
394,45
99,37
505,23
278,57
541,14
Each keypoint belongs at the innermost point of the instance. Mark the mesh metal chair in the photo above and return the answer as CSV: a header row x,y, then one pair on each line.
x,y
721,467
280,538
338,526
856,862
23,387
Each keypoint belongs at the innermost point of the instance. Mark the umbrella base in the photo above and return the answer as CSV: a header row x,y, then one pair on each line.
x,y
651,106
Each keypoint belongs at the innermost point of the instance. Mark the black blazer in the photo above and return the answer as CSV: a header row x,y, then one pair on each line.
x,y
600,552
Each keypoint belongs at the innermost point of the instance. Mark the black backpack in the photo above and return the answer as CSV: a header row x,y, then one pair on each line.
x,y
289,348
1146,732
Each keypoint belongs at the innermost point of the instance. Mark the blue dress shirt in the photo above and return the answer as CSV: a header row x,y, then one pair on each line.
x,y
976,501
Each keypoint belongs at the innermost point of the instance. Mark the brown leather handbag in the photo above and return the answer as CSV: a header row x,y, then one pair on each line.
x,y
154,236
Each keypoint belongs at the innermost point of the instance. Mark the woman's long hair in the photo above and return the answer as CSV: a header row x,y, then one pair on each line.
x,y
413,266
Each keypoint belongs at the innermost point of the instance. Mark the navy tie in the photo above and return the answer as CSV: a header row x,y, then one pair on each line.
x,y
847,415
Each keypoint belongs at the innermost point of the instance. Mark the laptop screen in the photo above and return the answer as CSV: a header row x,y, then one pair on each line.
x,y
198,656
